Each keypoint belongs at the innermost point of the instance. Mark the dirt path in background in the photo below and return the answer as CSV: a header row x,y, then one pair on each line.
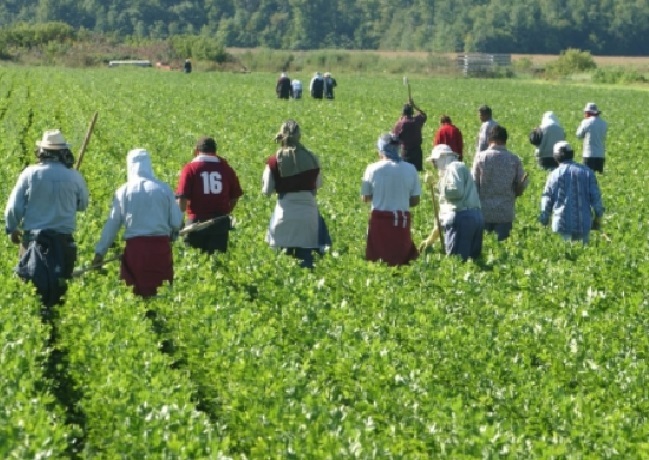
x,y
537,59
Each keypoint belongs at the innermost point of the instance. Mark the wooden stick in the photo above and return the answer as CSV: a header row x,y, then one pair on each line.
x,y
201,225
80,271
436,212
86,140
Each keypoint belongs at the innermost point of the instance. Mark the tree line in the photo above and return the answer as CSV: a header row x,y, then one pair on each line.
x,y
604,27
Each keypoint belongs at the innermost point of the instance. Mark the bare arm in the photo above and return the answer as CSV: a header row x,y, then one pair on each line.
x,y
182,203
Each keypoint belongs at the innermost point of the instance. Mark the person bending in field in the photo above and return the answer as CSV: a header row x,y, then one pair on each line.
x,y
208,190
316,86
44,204
293,174
392,187
408,130
500,179
570,193
551,132
147,209
283,87
460,215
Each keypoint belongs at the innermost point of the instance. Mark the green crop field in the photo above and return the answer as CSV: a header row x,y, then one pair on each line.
x,y
539,350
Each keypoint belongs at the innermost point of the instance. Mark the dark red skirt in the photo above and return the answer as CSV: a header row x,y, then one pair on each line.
x,y
147,262
389,239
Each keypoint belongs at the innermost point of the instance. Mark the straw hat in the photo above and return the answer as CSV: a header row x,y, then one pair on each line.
x,y
53,140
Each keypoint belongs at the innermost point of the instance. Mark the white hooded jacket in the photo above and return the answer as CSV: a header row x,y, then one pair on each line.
x,y
145,205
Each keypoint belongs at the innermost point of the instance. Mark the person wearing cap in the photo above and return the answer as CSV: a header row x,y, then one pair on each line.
x,y
408,129
208,189
392,187
283,87
316,86
460,215
500,179
551,133
487,123
45,201
329,85
449,134
147,209
570,196
293,174
592,130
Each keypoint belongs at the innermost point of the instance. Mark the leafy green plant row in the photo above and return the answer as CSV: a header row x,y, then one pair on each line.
x,y
32,424
134,404
537,350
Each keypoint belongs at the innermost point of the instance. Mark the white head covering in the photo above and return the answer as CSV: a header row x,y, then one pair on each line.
x,y
138,165
549,118
441,156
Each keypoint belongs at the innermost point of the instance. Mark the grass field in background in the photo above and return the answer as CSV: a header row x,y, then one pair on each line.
x,y
539,350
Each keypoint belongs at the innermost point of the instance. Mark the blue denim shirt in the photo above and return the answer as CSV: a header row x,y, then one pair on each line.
x,y
571,191
47,195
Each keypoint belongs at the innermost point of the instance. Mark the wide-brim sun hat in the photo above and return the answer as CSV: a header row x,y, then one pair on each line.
x,y
591,107
439,151
53,140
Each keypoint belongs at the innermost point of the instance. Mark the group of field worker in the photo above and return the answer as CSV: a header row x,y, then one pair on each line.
x,y
483,199
40,215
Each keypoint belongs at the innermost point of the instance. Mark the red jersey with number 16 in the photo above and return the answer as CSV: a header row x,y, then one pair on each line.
x,y
209,184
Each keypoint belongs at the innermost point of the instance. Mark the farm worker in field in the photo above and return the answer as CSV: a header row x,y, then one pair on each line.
x,y
44,204
187,67
459,204
392,186
500,179
208,188
147,209
570,195
551,133
449,134
316,86
283,87
293,173
592,130
487,123
329,85
296,87
408,130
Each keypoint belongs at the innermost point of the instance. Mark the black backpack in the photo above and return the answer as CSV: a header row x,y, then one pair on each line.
x,y
536,136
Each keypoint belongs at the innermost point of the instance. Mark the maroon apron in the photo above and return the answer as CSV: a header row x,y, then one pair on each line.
x,y
389,239
147,262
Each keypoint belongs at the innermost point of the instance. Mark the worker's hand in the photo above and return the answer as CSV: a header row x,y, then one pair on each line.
x,y
97,260
16,237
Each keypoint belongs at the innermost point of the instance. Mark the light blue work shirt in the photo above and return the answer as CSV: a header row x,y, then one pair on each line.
x,y
47,195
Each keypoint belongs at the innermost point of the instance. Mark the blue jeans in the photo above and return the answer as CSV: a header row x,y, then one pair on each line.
x,y
463,236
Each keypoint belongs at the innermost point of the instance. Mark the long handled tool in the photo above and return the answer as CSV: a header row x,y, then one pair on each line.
x,y
80,271
406,82
86,139
201,225
437,232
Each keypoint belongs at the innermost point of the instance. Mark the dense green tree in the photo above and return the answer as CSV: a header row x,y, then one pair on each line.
x,y
534,26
